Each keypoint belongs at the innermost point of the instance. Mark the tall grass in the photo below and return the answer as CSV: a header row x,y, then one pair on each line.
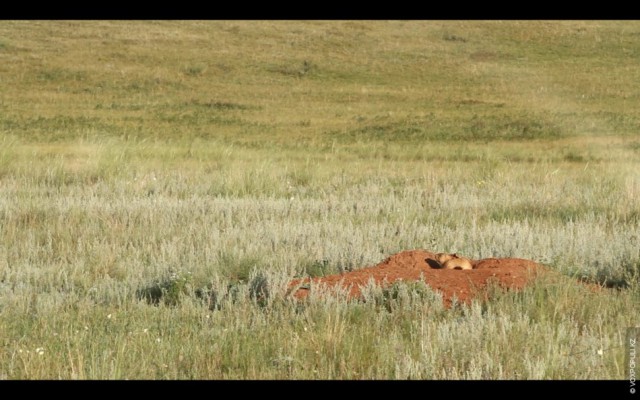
x,y
158,193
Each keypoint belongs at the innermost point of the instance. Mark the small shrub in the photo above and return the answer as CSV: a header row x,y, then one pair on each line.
x,y
215,296
259,289
194,70
453,38
169,290
295,70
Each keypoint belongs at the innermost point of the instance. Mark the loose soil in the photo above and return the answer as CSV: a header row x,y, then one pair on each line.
x,y
413,265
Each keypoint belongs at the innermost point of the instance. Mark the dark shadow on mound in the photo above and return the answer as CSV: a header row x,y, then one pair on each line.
x,y
433,263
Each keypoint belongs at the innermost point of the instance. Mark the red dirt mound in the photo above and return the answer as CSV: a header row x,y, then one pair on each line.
x,y
508,273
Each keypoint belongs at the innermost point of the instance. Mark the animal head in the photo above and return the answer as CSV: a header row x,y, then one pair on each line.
x,y
444,257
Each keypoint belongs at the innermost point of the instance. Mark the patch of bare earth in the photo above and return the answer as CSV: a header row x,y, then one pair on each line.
x,y
413,265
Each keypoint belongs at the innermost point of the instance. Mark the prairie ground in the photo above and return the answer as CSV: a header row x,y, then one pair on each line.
x,y
147,164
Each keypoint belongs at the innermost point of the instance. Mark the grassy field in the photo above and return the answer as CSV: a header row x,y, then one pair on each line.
x,y
147,164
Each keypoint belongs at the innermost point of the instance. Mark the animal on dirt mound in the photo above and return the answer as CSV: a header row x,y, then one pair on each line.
x,y
453,261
